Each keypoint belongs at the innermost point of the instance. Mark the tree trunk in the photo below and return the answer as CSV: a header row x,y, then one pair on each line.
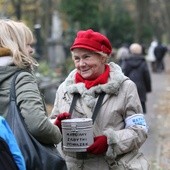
x,y
142,18
17,6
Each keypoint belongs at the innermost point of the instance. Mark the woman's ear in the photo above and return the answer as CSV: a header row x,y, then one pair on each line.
x,y
104,59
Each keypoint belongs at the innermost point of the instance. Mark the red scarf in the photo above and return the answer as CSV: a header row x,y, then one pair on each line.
x,y
102,79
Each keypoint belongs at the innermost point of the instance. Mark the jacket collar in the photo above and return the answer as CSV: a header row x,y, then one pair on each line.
x,y
116,77
4,52
6,61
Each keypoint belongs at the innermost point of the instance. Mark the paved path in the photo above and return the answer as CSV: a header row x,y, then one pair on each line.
x,y
157,146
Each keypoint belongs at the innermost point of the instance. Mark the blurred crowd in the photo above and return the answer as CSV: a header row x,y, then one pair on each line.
x,y
137,62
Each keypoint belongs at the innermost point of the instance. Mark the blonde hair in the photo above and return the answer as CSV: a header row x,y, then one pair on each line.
x,y
15,36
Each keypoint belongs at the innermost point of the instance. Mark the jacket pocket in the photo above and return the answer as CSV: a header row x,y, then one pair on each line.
x,y
130,161
138,162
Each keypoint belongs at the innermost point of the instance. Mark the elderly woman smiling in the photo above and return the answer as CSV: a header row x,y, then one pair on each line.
x,y
119,129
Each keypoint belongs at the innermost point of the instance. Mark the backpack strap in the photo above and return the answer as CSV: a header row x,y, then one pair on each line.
x,y
73,103
12,90
98,105
96,109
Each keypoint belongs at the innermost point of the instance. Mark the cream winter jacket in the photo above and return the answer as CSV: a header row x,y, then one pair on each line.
x,y
120,102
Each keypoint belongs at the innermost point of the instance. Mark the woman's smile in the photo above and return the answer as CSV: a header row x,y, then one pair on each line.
x,y
89,64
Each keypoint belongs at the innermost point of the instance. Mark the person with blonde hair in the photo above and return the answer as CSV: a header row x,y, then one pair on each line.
x,y
16,54
119,127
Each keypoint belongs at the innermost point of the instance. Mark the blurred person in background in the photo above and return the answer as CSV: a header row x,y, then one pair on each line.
x,y
137,70
160,52
150,57
119,129
122,54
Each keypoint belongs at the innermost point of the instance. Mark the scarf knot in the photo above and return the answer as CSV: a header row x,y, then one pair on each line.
x,y
102,79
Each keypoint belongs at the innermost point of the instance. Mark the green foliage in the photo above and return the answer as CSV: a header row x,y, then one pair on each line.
x,y
111,19
146,34
82,12
121,27
45,70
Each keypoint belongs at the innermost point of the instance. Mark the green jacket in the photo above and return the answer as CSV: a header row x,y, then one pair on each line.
x,y
30,103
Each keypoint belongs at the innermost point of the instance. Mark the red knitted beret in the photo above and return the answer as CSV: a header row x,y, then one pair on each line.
x,y
91,40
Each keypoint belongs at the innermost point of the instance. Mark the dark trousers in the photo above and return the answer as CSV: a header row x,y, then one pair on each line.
x,y
160,66
144,107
